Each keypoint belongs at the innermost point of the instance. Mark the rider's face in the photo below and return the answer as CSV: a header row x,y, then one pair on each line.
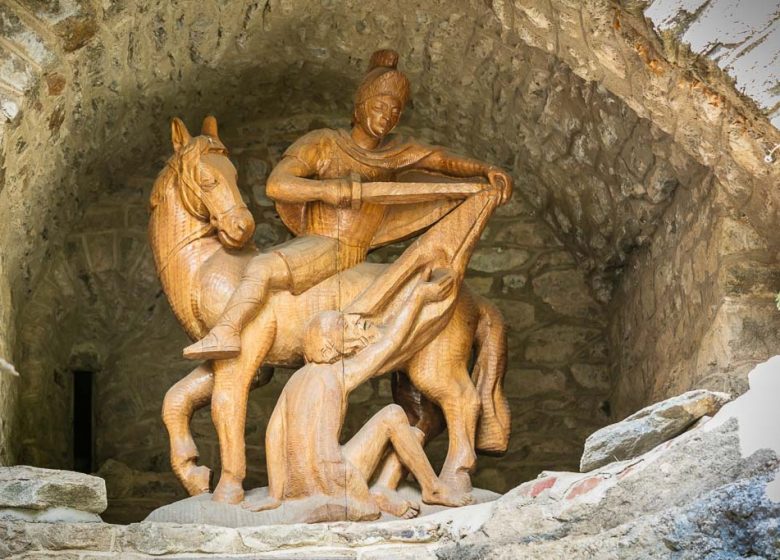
x,y
379,114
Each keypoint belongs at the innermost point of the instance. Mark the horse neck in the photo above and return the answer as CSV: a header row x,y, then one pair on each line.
x,y
175,236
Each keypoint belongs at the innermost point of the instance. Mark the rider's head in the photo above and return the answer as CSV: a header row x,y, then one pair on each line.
x,y
330,336
381,96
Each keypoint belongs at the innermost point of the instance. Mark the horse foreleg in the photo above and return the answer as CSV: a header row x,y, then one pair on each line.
x,y
180,403
420,410
233,380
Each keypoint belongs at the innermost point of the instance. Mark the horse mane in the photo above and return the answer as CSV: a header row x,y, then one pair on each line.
x,y
182,162
162,184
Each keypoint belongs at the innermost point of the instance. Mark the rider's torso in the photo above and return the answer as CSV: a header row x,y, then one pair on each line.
x,y
355,227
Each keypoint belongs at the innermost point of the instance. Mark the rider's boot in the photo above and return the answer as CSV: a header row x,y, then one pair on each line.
x,y
224,339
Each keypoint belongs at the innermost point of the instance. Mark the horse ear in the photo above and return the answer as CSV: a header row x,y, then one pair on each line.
x,y
180,136
209,127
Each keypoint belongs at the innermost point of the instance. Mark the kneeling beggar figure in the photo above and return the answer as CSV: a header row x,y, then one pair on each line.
x,y
314,300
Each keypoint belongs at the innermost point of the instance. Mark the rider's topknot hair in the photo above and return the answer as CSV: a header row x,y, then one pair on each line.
x,y
387,58
383,78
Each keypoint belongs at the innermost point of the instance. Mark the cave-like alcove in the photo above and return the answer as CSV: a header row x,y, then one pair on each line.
x,y
630,265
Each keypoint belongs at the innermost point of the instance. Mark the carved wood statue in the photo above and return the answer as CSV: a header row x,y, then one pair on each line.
x,y
339,193
302,441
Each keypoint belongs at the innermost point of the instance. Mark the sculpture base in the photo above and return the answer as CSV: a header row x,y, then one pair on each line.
x,y
202,510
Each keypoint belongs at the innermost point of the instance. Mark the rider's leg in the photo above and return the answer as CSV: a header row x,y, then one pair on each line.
x,y
263,273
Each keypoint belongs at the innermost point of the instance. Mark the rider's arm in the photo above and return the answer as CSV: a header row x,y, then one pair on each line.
x,y
288,182
452,165
455,166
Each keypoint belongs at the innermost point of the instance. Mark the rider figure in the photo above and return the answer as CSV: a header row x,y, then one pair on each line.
x,y
322,172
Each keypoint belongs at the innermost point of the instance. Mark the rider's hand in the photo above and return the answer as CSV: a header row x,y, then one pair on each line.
x,y
337,192
502,181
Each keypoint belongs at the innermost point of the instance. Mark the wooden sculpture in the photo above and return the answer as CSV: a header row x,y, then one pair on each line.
x,y
305,459
319,190
338,192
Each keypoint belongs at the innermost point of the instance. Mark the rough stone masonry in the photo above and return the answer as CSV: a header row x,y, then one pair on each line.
x,y
637,261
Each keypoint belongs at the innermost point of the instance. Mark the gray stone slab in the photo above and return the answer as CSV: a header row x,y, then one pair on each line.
x,y
649,427
33,488
202,510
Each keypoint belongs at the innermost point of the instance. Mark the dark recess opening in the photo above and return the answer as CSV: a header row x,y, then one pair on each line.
x,y
82,421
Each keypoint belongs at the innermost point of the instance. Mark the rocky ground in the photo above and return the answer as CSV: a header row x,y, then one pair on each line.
x,y
710,492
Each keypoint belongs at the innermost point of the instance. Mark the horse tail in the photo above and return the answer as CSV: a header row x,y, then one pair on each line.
x,y
488,377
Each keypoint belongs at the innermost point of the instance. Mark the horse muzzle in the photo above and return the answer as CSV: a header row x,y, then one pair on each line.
x,y
236,227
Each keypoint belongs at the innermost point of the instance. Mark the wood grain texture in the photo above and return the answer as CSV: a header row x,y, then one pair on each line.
x,y
312,301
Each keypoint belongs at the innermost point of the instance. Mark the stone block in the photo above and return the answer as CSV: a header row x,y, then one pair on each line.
x,y
566,292
738,236
15,71
535,234
591,376
518,315
497,259
559,343
648,428
525,382
34,488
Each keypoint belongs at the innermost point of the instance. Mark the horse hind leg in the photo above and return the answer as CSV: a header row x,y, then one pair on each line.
x,y
440,373
181,401
488,375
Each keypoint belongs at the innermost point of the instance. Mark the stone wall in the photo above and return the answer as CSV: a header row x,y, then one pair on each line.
x,y
695,309
8,431
598,118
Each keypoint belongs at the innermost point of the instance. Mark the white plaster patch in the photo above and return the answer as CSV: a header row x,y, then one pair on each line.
x,y
49,515
8,367
758,415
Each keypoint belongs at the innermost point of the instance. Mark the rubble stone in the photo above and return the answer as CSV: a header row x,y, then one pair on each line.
x,y
648,428
37,488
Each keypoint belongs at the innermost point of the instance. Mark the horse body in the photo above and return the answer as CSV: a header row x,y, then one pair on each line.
x,y
199,274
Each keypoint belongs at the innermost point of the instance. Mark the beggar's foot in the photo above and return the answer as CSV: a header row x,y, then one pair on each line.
x,y
442,495
391,502
214,346
261,505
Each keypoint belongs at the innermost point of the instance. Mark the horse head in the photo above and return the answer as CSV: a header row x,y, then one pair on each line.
x,y
207,184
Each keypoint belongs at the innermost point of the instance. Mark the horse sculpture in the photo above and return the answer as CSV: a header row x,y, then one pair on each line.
x,y
199,231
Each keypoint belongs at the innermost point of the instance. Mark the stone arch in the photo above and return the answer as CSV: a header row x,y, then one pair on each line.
x,y
631,156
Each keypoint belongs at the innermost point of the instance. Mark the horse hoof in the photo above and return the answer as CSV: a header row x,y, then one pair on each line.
x,y
197,480
201,479
458,483
231,493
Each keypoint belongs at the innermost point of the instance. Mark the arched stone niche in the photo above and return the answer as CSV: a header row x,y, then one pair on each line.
x,y
635,261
